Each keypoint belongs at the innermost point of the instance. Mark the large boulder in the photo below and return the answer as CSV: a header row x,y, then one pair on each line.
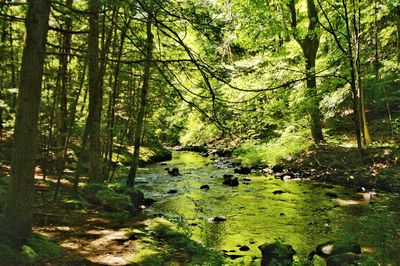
x,y
137,198
334,247
278,168
174,171
347,258
230,180
274,254
242,170
337,252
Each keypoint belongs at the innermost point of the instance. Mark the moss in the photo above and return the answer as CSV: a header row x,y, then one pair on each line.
x,y
29,255
113,201
43,247
8,252
37,248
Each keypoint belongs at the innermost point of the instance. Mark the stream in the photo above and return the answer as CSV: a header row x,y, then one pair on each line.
x,y
304,215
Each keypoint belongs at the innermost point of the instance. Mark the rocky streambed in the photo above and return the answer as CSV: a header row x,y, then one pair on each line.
x,y
239,215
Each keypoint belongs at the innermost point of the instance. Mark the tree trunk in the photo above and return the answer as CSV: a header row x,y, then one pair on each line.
x,y
353,81
18,215
95,95
63,115
143,95
313,102
113,99
309,45
356,44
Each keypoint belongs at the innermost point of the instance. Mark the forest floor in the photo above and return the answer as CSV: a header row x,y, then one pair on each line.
x,y
87,235
379,167
339,161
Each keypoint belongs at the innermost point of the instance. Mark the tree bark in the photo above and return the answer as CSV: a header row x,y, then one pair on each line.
x,y
63,135
143,95
113,99
95,95
18,215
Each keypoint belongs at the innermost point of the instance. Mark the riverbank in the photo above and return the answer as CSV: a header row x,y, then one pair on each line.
x,y
378,168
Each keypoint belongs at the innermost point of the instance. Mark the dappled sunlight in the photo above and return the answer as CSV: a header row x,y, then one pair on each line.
x,y
201,132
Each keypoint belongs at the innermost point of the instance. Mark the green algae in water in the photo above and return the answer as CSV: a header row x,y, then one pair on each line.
x,y
303,215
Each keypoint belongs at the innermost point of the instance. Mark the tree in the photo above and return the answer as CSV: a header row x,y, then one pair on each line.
x,y
309,45
347,49
18,216
143,95
95,95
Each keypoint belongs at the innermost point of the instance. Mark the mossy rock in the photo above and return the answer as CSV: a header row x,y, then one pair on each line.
x,y
111,201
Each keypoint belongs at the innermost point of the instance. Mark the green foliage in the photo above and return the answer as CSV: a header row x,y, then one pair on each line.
x,y
255,153
197,133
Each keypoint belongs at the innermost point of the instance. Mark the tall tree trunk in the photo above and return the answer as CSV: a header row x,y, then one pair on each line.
x,y
143,95
353,85
113,100
313,102
84,139
18,215
356,24
95,95
63,114
309,45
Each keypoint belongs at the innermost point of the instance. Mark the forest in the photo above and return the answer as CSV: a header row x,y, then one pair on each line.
x,y
200,132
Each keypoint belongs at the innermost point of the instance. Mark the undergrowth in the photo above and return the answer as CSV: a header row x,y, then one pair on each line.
x,y
254,153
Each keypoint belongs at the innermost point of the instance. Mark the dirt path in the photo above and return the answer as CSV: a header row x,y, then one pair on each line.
x,y
87,239
85,235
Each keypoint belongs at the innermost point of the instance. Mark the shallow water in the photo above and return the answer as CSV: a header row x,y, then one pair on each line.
x,y
303,216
